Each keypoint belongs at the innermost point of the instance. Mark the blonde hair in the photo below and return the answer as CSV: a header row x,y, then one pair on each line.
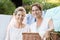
x,y
20,9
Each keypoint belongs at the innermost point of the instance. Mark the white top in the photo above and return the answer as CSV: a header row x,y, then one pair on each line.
x,y
15,33
42,29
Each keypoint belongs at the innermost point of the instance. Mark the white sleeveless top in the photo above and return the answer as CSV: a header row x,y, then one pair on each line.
x,y
42,29
15,33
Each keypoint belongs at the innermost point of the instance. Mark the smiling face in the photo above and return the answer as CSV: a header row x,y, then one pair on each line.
x,y
36,12
20,16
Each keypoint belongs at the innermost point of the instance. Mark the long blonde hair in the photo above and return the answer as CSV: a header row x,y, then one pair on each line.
x,y
13,21
20,9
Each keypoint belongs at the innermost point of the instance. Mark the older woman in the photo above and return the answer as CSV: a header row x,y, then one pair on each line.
x,y
16,28
41,26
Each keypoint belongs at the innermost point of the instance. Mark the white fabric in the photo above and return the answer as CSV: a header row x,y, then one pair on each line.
x,y
42,29
15,33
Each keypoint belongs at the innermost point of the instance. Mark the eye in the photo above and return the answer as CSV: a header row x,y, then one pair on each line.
x,y
23,16
32,10
18,14
35,10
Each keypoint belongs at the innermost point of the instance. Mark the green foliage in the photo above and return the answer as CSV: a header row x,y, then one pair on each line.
x,y
6,7
43,2
26,2
50,5
27,7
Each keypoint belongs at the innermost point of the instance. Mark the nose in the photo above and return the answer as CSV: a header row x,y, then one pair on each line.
x,y
20,16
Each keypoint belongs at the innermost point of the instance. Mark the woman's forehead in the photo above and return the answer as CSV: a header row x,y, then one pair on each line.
x,y
35,7
20,12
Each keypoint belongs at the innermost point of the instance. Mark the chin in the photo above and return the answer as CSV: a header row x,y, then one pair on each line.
x,y
19,21
36,17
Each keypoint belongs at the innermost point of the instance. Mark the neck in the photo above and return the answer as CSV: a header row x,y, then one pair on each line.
x,y
39,21
19,25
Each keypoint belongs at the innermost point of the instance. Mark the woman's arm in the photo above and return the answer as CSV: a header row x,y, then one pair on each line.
x,y
50,25
50,29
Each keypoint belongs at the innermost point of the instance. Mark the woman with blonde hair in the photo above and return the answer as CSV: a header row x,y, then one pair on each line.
x,y
16,27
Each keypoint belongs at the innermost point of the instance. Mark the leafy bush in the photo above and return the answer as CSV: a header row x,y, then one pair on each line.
x,y
50,5
43,2
27,7
6,7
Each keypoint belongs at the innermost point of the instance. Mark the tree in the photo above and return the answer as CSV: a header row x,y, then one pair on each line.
x,y
6,7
